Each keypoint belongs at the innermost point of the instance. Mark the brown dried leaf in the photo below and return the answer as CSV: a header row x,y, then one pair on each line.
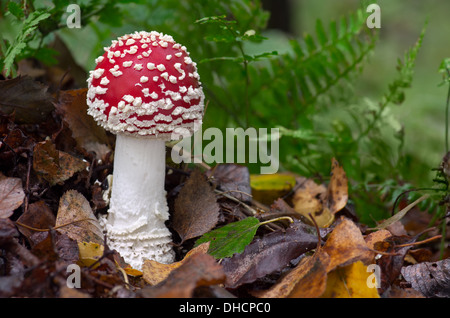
x,y
11,195
233,179
38,216
308,199
88,135
306,280
155,272
53,165
337,194
76,219
196,209
268,254
57,246
391,264
432,279
320,201
199,270
27,98
378,236
346,245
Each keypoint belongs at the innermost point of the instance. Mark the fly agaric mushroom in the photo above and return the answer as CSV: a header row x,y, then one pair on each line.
x,y
144,89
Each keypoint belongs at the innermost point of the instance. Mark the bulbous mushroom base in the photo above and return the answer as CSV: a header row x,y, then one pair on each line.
x,y
140,245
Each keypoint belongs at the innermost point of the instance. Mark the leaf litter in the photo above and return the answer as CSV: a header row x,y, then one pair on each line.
x,y
239,235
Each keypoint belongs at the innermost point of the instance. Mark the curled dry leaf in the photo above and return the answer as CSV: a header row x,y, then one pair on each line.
x,y
76,219
196,209
11,195
320,201
306,280
346,245
155,272
337,193
432,279
198,270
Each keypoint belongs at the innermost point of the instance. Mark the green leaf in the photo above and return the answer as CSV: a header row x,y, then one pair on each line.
x,y
320,31
231,238
28,27
15,9
221,19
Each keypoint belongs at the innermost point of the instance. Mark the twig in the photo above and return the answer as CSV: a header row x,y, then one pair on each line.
x,y
249,208
421,242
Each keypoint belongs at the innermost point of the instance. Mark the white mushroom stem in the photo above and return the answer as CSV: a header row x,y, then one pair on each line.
x,y
138,207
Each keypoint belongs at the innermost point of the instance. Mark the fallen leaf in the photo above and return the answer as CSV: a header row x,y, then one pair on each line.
x,y
231,238
306,280
196,209
53,165
233,179
155,272
350,282
76,219
319,201
391,262
56,246
432,279
199,270
346,245
88,135
375,237
38,216
268,254
337,192
308,200
266,188
11,195
26,98
89,253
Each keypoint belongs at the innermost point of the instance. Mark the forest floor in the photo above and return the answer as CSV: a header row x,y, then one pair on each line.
x,y
305,241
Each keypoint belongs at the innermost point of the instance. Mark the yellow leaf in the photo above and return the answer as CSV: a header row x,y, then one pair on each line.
x,y
266,188
89,253
133,272
351,281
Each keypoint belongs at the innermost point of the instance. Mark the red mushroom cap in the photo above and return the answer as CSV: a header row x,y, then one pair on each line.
x,y
145,85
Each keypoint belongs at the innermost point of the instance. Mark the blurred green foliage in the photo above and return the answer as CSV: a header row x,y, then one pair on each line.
x,y
307,87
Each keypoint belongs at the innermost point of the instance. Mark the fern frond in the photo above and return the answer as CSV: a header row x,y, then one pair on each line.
x,y
396,89
321,61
